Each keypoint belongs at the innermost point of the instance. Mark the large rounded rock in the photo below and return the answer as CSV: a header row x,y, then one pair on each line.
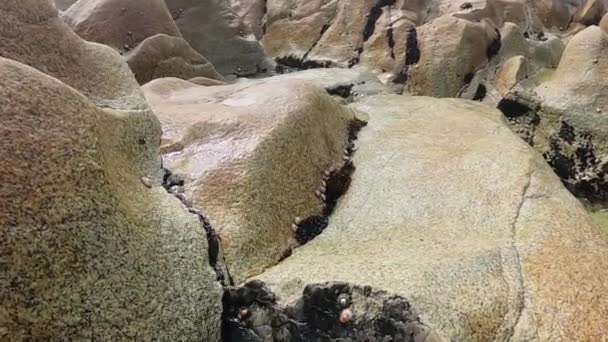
x,y
250,156
294,28
120,24
88,233
452,210
88,250
251,15
95,70
211,28
451,50
166,56
590,12
555,13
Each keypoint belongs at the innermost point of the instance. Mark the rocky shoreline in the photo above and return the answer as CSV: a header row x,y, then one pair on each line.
x,y
327,170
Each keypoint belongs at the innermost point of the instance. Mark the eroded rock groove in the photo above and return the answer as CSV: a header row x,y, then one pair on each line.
x,y
337,183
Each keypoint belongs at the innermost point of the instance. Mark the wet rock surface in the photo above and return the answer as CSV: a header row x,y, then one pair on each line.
x,y
245,156
324,312
252,158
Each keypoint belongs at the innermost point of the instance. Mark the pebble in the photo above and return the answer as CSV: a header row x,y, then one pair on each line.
x,y
346,316
146,181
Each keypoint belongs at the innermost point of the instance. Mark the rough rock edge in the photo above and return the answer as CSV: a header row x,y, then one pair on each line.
x,y
333,311
174,186
572,155
337,183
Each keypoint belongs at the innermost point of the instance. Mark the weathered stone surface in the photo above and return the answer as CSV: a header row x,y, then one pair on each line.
x,y
590,12
325,312
204,81
88,251
510,73
211,28
500,12
64,4
351,84
386,36
450,49
571,132
533,51
451,210
604,23
92,246
251,16
250,157
555,13
294,28
120,24
33,34
166,56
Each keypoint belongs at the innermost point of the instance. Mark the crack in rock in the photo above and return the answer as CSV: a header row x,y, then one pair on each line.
x,y
344,91
412,56
174,185
521,291
495,46
337,183
290,63
373,16
333,311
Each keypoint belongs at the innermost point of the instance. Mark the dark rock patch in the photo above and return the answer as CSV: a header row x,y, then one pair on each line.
x,y
480,93
401,77
574,158
522,114
412,56
345,91
391,41
337,183
325,312
373,16
495,46
566,133
466,5
173,183
468,78
512,108
412,53
290,63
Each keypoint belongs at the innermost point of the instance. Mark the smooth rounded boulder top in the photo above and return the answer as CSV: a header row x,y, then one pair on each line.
x,y
88,250
250,156
32,33
166,56
452,210
120,24
211,28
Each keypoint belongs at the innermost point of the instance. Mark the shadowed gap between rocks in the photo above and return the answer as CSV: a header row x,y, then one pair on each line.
x,y
173,184
337,183
495,46
289,64
412,56
373,16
